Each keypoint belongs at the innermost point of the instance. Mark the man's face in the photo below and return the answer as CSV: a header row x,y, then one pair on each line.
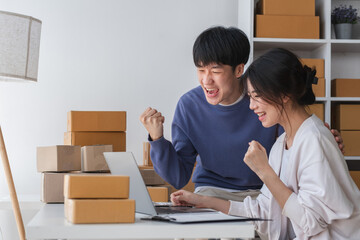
x,y
220,83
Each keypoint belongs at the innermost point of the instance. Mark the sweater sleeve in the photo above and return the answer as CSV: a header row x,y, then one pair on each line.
x,y
320,199
174,162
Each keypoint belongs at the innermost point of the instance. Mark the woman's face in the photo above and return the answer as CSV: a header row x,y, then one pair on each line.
x,y
269,114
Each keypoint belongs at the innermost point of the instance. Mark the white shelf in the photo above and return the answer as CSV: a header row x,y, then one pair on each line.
x,y
288,43
342,58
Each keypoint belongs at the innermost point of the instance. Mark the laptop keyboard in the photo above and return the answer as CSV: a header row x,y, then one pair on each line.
x,y
180,209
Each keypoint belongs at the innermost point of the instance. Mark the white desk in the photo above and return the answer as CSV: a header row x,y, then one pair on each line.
x,y
49,223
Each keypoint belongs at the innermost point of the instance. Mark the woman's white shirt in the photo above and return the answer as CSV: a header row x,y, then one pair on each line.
x,y
325,203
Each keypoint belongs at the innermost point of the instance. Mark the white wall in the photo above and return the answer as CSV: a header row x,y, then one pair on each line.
x,y
102,55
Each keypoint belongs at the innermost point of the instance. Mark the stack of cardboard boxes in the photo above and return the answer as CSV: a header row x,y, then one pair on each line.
x,y
159,189
85,128
287,19
345,117
98,199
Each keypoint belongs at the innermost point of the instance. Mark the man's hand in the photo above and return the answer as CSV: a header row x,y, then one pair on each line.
x,y
337,137
153,122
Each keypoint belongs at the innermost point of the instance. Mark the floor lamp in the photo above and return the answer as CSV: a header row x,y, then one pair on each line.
x,y
19,58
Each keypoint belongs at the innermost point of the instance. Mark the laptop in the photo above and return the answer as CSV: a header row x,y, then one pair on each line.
x,y
123,163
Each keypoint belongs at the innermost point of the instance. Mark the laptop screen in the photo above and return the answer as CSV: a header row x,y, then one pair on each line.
x,y
123,163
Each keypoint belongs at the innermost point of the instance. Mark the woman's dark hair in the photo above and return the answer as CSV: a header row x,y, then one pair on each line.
x,y
279,73
228,46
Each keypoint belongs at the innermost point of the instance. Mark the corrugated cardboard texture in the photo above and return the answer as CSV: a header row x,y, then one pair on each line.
x,y
116,139
317,63
345,87
102,121
352,142
274,26
356,177
151,177
52,187
317,109
319,88
159,194
287,7
347,117
96,186
100,210
58,158
146,154
92,158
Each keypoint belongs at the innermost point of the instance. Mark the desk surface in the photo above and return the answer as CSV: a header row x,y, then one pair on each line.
x,y
49,222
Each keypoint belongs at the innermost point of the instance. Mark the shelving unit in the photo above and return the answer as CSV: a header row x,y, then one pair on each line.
x,y
342,57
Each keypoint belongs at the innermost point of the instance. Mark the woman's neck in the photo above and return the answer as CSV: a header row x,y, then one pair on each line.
x,y
292,122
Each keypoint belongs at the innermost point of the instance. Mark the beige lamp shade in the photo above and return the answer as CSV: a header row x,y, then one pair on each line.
x,y
19,47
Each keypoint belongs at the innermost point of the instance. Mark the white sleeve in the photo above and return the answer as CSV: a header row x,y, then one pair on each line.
x,y
258,208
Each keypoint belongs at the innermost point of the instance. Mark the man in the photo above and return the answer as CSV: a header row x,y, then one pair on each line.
x,y
212,124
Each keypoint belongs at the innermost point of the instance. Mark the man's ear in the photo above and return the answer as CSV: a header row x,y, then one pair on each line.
x,y
239,70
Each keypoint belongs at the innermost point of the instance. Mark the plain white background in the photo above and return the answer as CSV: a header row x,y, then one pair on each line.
x,y
106,55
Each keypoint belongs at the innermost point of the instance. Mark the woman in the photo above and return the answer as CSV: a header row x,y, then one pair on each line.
x,y
307,191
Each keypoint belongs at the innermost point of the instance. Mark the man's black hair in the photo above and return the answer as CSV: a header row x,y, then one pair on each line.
x,y
227,46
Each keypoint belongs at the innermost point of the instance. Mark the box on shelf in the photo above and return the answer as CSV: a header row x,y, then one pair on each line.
x,y
58,158
100,210
275,26
100,121
351,141
96,186
92,158
159,194
317,63
356,177
317,109
286,7
346,117
151,177
319,88
146,154
116,139
345,87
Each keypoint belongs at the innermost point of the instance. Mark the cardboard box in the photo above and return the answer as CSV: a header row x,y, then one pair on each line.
x,y
351,141
58,158
159,194
317,109
146,154
287,7
100,210
145,167
100,121
319,88
356,177
52,187
116,139
92,158
96,186
317,63
346,117
275,26
342,87
151,177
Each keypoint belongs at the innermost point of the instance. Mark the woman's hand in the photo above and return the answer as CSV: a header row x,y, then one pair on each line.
x,y
186,198
256,159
